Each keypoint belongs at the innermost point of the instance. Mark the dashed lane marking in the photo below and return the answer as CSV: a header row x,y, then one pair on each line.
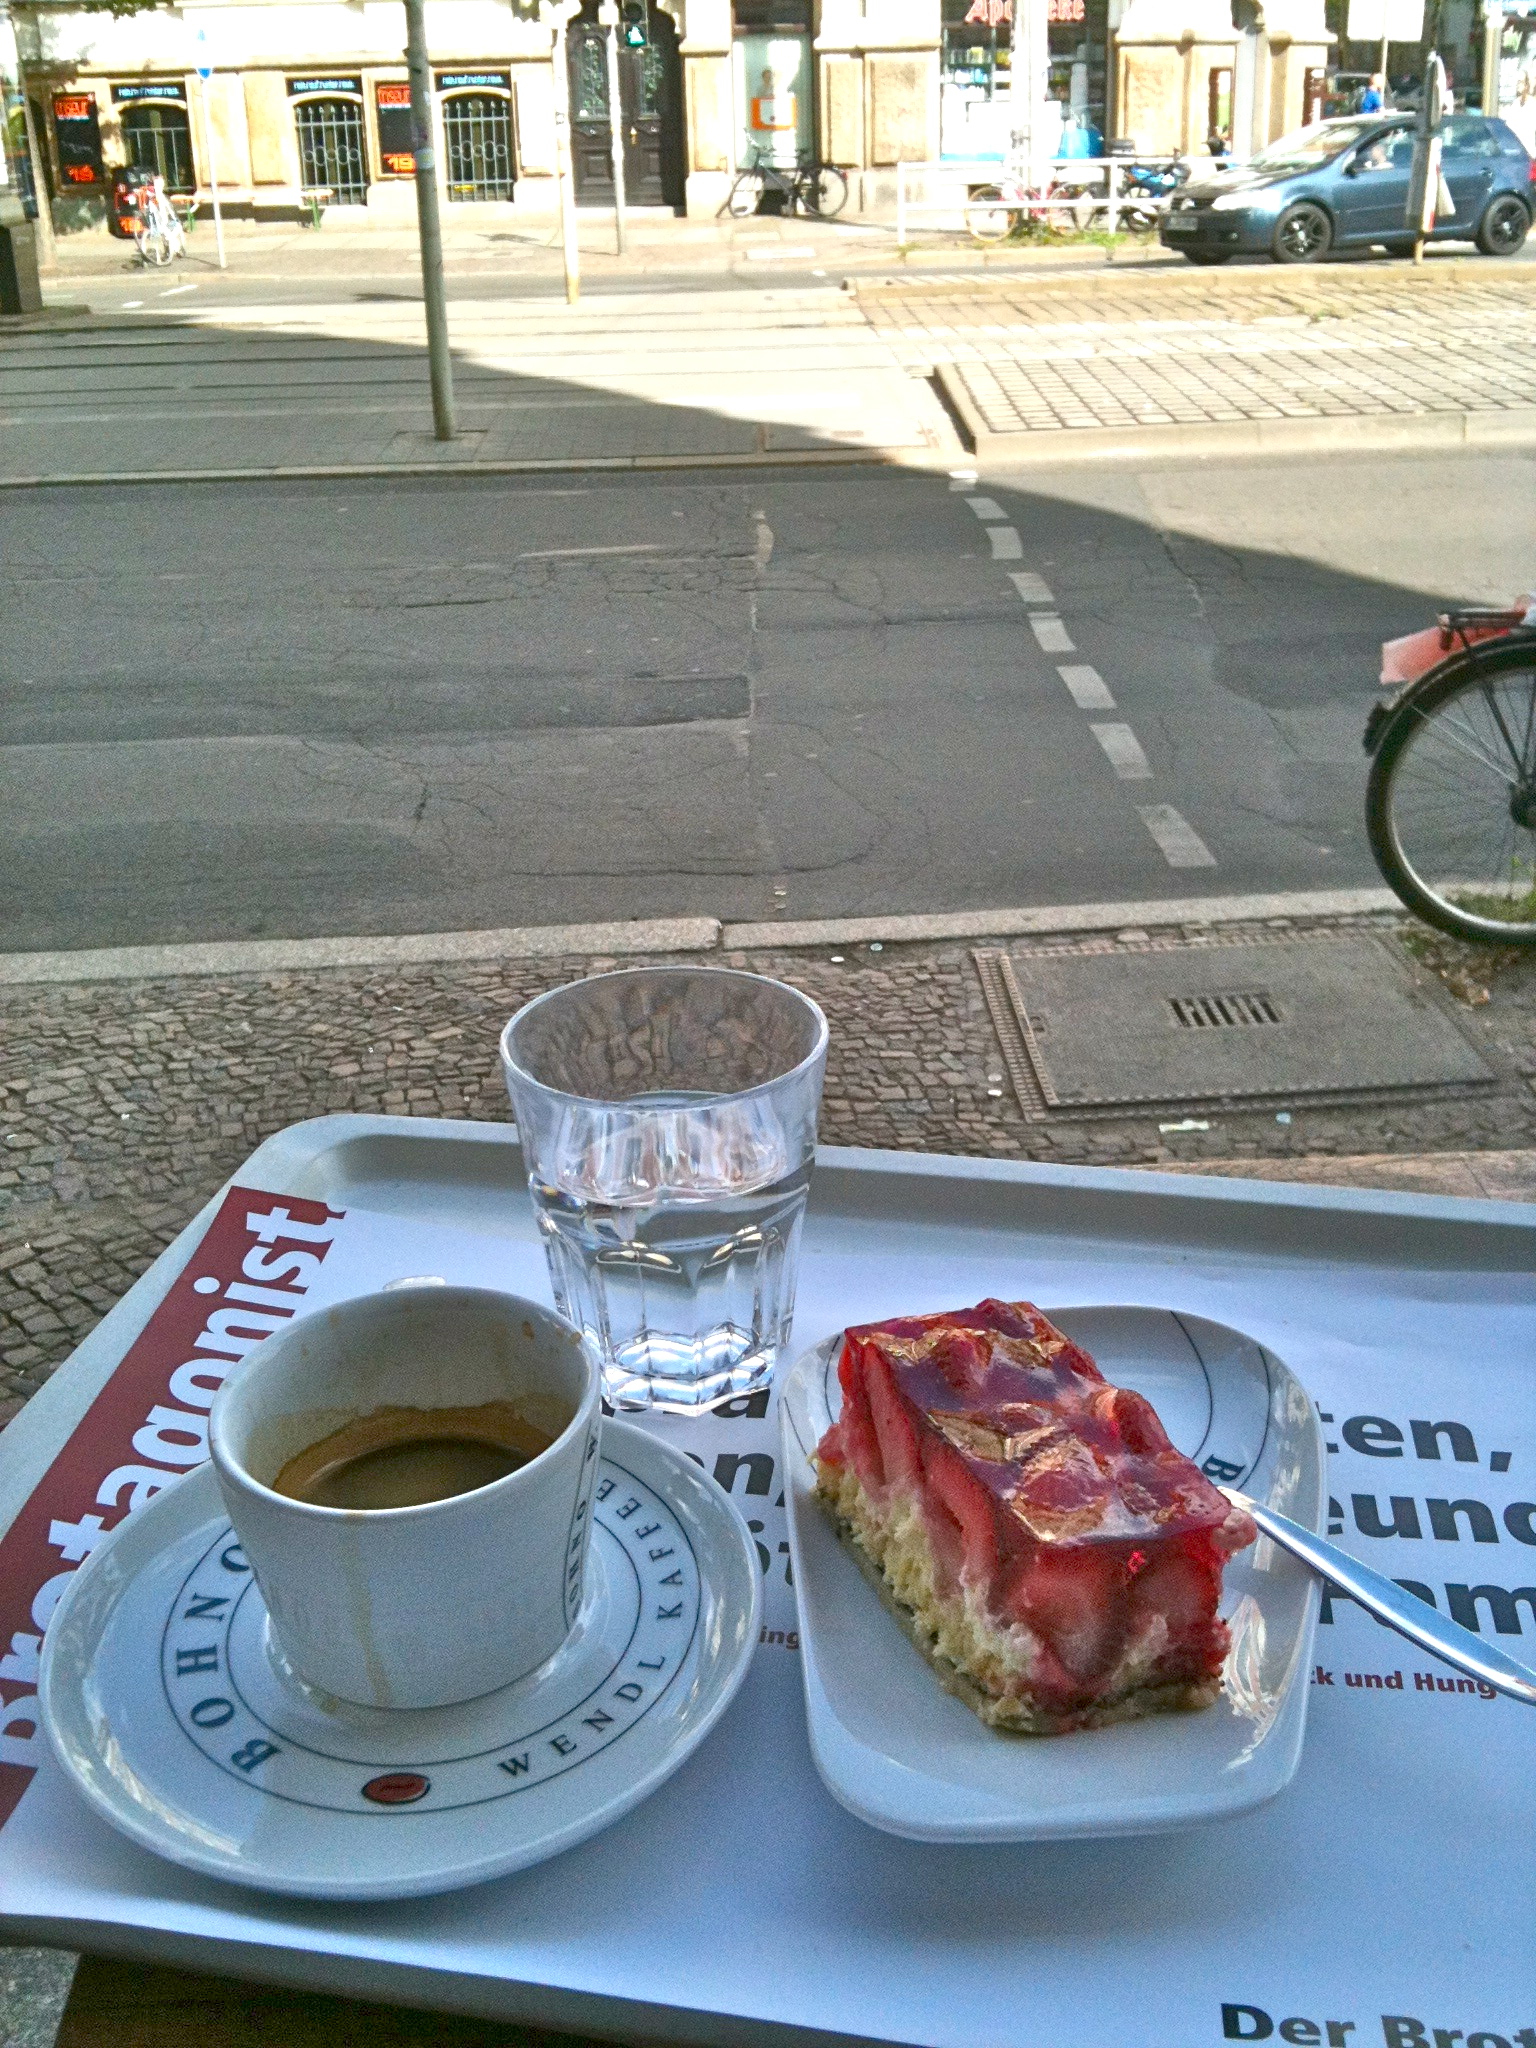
x,y
1089,690
1181,844
1006,545
986,508
1051,633
1032,588
1124,751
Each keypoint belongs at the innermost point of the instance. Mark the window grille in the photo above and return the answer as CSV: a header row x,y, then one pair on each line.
x,y
477,132
331,149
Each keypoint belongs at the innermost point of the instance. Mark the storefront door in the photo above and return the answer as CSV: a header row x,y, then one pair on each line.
x,y
773,97
650,107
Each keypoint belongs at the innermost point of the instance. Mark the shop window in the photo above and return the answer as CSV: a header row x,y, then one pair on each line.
x,y
332,153
477,136
159,139
77,131
397,139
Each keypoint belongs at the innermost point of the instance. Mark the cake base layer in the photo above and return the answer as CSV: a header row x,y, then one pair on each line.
x,y
973,1658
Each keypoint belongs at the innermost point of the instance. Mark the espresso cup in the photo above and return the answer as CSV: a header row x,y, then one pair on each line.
x,y
424,1605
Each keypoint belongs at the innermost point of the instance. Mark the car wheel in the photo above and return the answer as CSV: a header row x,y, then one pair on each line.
x,y
1206,257
1303,234
1503,227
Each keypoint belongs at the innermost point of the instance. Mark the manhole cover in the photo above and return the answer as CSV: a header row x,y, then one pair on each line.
x,y
1255,1020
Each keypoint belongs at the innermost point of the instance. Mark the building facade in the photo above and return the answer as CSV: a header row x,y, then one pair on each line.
x,y
285,101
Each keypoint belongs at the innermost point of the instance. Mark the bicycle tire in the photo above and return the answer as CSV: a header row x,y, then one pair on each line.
x,y
822,191
155,248
985,218
1451,800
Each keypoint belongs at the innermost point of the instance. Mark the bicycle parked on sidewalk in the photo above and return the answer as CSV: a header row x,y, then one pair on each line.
x,y
160,235
1451,799
817,189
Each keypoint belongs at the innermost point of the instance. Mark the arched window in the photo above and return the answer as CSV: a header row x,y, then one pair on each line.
x,y
332,153
159,139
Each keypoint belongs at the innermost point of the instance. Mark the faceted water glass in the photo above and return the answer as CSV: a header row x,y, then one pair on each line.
x,y
668,1124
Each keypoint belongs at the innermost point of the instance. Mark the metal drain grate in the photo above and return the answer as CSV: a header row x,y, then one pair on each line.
x,y
1322,1016
1215,1013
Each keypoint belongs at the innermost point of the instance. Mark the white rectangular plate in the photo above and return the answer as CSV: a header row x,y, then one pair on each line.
x,y
905,1755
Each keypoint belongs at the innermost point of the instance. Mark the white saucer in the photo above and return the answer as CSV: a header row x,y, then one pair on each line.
x,y
906,1756
170,1709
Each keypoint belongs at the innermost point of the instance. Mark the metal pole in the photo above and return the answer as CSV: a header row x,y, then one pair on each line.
x,y
45,242
1493,49
1386,76
570,246
213,175
424,148
608,15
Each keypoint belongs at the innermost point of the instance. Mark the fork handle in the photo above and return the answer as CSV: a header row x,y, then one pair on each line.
x,y
1406,1612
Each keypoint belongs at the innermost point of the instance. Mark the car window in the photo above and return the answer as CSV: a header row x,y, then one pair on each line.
x,y
1393,152
1310,148
1467,135
1509,142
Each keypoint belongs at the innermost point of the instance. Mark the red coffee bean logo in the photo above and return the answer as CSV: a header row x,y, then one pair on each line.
x,y
397,1788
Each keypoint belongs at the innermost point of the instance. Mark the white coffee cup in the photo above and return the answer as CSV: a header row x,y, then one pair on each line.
x,y
414,1606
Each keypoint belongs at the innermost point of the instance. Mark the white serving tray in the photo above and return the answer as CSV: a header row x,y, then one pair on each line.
x,y
741,1902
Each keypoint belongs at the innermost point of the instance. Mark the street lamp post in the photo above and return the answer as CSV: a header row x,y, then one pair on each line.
x,y
608,17
424,149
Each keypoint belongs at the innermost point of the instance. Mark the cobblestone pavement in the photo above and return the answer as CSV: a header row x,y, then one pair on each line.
x,y
1152,349
126,1104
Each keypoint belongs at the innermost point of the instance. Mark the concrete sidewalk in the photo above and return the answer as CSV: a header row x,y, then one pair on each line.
x,y
129,1101
690,377
192,378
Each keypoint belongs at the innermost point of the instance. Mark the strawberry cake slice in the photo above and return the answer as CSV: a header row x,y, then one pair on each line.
x,y
1055,1557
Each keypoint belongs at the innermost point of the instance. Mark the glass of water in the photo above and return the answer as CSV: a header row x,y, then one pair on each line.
x,y
668,1123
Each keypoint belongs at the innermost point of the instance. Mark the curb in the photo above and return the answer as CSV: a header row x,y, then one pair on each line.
x,y
1511,426
267,956
665,935
1063,917
787,458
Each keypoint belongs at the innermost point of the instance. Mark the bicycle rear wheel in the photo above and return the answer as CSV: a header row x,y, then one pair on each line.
x,y
155,247
823,191
1451,801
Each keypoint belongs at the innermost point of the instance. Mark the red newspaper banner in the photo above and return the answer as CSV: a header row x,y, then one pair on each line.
x,y
147,1426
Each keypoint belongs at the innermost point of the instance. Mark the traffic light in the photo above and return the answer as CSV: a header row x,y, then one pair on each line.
x,y
636,27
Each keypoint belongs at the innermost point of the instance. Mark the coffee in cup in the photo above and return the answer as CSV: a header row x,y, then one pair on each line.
x,y
404,1457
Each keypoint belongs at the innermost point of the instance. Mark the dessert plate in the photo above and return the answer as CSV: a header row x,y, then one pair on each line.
x,y
904,1755
169,1706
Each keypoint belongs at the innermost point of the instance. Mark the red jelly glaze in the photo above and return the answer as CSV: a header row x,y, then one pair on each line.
x,y
1056,1494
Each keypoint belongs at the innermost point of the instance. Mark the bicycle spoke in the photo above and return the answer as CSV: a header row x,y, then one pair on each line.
x,y
1456,789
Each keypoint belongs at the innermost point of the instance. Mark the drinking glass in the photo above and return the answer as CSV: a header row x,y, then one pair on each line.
x,y
668,1123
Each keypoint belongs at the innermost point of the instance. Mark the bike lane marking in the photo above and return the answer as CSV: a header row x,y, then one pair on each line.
x,y
1051,634
1124,752
1089,690
1181,844
1176,839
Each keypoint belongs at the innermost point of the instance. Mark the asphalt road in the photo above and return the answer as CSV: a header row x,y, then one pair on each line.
x,y
395,706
